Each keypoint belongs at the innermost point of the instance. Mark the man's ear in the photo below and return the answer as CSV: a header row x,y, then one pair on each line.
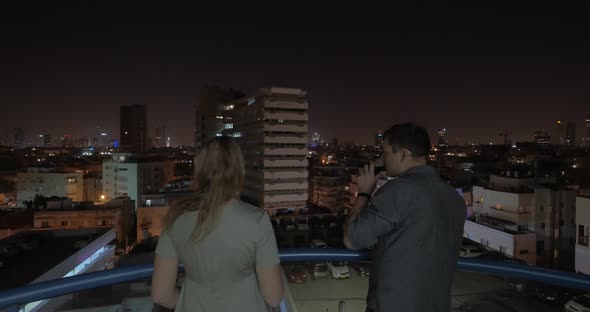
x,y
405,153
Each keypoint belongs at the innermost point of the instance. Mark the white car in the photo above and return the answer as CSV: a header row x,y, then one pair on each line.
x,y
340,270
578,304
316,243
471,251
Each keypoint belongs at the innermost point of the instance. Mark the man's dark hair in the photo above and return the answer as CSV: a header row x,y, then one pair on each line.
x,y
411,136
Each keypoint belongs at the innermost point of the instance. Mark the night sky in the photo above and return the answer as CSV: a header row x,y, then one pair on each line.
x,y
474,70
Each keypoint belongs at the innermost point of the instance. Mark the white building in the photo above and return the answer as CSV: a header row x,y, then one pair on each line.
x,y
271,128
583,227
521,205
133,175
492,234
49,182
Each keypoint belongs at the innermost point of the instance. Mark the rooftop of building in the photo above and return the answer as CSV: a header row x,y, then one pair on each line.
x,y
22,262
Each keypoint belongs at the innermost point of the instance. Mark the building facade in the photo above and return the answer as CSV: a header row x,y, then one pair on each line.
x,y
442,137
48,182
518,205
582,249
272,129
209,117
133,128
134,175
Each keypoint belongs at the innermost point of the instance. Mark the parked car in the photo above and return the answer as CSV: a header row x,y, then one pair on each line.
x,y
302,225
361,268
553,294
339,270
296,273
319,270
471,251
578,304
288,224
316,243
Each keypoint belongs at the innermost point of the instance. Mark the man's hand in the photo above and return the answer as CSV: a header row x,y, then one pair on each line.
x,y
367,180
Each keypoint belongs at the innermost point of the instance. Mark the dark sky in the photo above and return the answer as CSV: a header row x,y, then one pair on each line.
x,y
474,70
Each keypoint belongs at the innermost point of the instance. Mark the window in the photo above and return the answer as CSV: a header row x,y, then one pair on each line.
x,y
104,222
543,226
540,247
44,224
582,235
228,126
524,252
64,223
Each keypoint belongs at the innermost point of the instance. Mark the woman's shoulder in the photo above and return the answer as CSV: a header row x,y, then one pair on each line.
x,y
248,211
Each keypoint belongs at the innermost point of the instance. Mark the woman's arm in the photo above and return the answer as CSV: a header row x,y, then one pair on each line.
x,y
270,281
164,291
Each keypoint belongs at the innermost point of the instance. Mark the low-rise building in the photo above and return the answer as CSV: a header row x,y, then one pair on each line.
x,y
151,212
48,182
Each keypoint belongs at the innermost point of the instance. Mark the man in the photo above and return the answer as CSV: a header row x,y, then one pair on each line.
x,y
414,223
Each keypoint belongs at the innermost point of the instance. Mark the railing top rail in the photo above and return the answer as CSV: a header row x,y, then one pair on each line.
x,y
64,286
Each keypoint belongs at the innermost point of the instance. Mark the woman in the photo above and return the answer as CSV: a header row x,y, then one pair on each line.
x,y
228,247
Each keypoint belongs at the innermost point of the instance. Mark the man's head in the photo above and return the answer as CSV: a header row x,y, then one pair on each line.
x,y
405,146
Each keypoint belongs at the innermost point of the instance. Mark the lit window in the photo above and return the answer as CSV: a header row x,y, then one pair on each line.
x,y
251,101
237,134
219,134
219,117
229,107
228,126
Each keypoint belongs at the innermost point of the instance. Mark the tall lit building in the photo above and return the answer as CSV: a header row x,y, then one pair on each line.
x,y
442,137
565,133
209,117
570,134
45,140
379,138
586,139
316,139
19,138
542,137
161,138
272,130
133,128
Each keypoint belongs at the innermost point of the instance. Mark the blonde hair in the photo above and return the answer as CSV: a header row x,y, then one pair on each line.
x,y
218,176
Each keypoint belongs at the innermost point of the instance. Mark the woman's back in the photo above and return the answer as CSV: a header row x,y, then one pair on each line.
x,y
220,269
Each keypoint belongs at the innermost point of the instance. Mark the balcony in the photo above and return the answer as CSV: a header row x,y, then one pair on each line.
x,y
479,285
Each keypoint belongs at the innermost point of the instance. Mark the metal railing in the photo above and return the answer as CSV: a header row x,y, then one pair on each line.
x,y
12,298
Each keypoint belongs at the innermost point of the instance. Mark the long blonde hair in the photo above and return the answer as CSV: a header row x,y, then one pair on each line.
x,y
218,176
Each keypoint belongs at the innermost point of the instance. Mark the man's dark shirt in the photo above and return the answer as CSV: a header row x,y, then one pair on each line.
x,y
415,226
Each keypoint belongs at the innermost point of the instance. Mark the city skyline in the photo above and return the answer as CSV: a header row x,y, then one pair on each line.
x,y
65,69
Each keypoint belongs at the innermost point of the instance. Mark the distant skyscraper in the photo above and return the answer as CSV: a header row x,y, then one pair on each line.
x,y
542,137
19,138
586,139
209,117
316,139
161,137
66,141
442,137
558,136
45,139
570,134
133,128
379,138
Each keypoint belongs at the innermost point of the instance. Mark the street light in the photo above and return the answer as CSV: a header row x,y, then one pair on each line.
x,y
102,198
